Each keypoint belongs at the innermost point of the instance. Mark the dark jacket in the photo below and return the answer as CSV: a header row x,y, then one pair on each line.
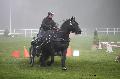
x,y
48,24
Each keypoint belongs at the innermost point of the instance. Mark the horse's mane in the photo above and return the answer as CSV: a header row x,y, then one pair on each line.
x,y
65,23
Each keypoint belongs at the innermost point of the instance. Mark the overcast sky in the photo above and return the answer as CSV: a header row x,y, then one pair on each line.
x,y
87,12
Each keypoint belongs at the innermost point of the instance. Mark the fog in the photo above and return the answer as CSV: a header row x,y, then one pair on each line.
x,y
88,13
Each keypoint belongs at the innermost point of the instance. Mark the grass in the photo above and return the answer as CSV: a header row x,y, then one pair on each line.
x,y
91,64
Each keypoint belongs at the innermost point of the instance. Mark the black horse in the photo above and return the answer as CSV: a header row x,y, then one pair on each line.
x,y
55,43
58,42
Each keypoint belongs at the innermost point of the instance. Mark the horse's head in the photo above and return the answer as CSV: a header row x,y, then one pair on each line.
x,y
74,26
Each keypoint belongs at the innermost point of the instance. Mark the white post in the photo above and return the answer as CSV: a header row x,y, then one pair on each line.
x,y
14,31
25,33
10,21
96,29
107,30
100,47
114,31
109,48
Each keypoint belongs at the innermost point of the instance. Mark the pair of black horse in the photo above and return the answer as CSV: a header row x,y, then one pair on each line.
x,y
54,43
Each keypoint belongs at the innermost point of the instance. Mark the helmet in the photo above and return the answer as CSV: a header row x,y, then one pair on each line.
x,y
50,13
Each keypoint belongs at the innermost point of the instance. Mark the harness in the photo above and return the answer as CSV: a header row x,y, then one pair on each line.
x,y
49,37
62,36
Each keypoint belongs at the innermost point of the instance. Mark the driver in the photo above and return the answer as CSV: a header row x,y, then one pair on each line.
x,y
47,24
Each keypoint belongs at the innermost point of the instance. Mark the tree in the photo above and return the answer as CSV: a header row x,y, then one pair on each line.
x,y
96,39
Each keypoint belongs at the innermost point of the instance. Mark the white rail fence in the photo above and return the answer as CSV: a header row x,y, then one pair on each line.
x,y
1,32
30,32
23,32
108,30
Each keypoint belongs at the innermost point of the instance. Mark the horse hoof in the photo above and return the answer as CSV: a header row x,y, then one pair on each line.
x,y
49,63
39,65
29,62
31,65
42,65
64,68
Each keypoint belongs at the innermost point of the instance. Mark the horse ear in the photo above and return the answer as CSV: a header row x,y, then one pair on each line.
x,y
72,18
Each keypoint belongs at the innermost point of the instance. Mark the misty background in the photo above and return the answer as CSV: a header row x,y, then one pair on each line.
x,y
89,13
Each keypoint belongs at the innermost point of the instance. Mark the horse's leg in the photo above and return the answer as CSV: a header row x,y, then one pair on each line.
x,y
32,59
42,60
63,58
32,55
49,63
